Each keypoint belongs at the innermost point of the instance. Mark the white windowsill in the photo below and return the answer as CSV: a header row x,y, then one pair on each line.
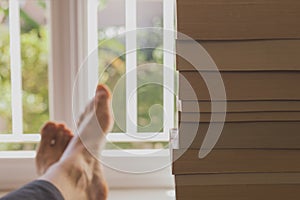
x,y
18,168
145,194
129,194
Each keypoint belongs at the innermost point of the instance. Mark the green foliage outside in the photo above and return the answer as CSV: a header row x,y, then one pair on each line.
x,y
34,61
5,94
34,58
34,53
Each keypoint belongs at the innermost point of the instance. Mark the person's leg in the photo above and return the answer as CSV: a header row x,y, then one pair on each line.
x,y
36,190
78,174
54,140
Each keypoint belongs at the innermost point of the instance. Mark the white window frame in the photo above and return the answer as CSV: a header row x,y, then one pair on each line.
x,y
70,45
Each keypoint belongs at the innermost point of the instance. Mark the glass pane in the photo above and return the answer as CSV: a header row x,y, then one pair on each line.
x,y
111,21
5,84
34,53
135,145
149,13
150,68
17,146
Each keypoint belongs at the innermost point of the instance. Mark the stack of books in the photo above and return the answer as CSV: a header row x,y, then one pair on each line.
x,y
256,47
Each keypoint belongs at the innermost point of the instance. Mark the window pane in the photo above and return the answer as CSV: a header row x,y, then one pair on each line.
x,y
150,68
136,145
149,13
17,146
34,53
5,84
111,21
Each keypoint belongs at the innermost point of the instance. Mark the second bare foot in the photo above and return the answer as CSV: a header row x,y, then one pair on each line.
x,y
78,173
54,140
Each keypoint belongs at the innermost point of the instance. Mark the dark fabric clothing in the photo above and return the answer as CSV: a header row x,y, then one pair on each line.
x,y
36,190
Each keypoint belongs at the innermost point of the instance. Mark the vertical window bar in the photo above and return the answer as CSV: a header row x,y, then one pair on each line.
x,y
92,46
131,62
169,62
16,73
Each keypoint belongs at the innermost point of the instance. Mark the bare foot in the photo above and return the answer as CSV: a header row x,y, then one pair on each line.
x,y
55,139
101,105
78,173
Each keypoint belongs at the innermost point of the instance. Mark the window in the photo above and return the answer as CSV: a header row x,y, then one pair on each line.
x,y
76,29
139,76
24,103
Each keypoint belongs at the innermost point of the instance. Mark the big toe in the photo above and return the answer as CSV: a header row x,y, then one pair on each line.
x,y
103,110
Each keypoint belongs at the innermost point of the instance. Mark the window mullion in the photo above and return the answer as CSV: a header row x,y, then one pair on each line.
x,y
16,71
93,70
169,63
131,63
68,50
